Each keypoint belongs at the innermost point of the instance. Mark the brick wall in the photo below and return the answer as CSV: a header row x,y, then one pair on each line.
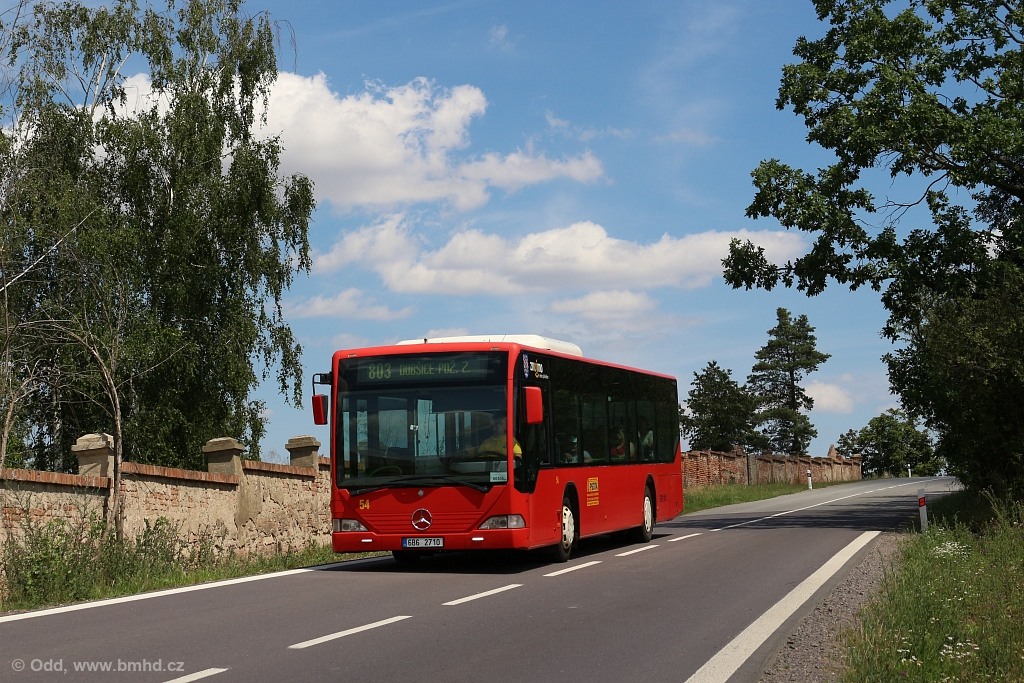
x,y
713,468
245,506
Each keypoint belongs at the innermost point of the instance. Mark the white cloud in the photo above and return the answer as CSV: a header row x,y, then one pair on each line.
x,y
394,146
829,398
500,38
579,257
350,303
609,306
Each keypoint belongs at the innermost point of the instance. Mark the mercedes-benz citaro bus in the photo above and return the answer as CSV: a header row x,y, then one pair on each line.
x,y
492,442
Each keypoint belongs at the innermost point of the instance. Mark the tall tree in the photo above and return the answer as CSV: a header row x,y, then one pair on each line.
x,y
163,220
926,88
719,412
782,363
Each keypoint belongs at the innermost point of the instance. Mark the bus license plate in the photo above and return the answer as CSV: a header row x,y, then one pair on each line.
x,y
422,542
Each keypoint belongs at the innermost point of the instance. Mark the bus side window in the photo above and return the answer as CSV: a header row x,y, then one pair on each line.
x,y
646,422
595,428
566,424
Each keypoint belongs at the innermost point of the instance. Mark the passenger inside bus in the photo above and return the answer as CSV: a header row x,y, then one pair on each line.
x,y
571,450
620,449
646,436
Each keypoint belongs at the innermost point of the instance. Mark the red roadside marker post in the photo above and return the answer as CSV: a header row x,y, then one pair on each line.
x,y
922,507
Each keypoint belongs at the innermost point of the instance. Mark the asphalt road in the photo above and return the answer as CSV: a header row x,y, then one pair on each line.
x,y
711,598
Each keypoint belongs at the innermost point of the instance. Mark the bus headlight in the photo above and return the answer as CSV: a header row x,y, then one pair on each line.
x,y
505,522
348,525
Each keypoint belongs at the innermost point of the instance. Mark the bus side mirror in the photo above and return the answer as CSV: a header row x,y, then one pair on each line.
x,y
534,405
320,409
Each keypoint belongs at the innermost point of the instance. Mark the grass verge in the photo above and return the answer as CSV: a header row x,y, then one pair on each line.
x,y
952,609
709,497
64,561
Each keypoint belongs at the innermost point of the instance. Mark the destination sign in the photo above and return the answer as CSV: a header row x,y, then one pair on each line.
x,y
458,367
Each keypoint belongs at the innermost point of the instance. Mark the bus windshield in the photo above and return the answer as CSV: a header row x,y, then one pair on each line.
x,y
399,427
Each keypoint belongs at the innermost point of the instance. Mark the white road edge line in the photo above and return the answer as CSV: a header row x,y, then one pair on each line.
x,y
162,593
348,632
637,550
728,660
205,673
572,569
683,538
484,594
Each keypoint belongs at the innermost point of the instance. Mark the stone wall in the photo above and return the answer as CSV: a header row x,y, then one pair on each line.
x,y
238,505
713,468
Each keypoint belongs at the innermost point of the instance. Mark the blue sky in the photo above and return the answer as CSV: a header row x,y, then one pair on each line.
x,y
568,169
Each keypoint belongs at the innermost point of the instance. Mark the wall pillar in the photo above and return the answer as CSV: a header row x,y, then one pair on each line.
x,y
304,451
223,456
95,455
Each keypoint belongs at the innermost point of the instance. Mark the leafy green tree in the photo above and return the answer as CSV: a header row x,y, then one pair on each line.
x,y
719,412
848,445
158,232
930,89
965,373
782,363
891,443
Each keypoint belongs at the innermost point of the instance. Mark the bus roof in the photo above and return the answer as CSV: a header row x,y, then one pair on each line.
x,y
533,340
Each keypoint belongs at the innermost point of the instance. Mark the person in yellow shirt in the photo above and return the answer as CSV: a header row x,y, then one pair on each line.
x,y
496,443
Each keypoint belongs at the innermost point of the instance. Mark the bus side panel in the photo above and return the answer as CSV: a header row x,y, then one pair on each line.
x,y
610,498
545,505
669,496
613,498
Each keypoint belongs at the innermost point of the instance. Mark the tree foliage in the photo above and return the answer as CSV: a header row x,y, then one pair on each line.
x,y
719,412
782,363
965,373
932,90
891,443
155,230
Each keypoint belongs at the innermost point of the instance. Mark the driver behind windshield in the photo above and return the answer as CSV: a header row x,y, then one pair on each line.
x,y
496,443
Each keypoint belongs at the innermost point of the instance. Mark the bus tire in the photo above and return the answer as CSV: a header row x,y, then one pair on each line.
x,y
644,532
563,549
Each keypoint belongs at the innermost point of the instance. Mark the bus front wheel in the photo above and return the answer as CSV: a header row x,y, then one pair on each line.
x,y
564,548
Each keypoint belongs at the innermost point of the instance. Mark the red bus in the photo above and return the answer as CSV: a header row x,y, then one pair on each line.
x,y
422,460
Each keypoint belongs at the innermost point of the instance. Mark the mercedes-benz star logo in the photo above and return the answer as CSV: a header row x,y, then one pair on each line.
x,y
421,519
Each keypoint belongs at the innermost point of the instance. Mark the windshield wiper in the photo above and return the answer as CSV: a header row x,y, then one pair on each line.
x,y
407,481
439,480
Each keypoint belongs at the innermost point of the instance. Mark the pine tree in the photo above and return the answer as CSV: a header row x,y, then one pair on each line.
x,y
782,364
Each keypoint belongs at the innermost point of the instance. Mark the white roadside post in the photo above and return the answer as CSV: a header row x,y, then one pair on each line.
x,y
809,484
923,508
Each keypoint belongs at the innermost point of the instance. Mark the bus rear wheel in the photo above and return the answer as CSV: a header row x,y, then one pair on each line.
x,y
644,532
564,548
